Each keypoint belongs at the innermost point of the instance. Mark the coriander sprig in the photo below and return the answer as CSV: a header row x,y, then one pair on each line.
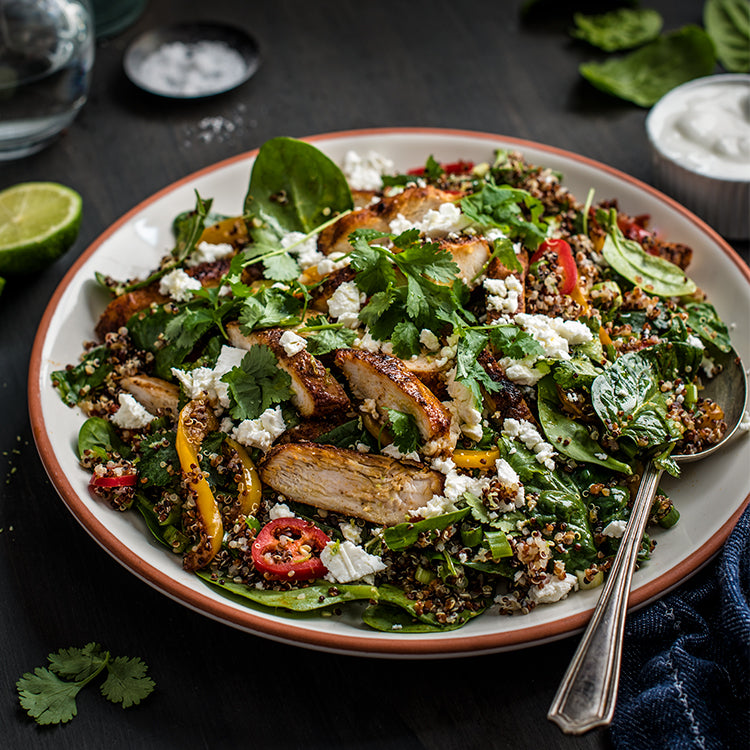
x,y
48,694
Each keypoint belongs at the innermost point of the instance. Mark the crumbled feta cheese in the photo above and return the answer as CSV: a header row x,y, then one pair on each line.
x,y
304,248
443,465
260,432
204,380
446,219
178,285
367,342
553,590
292,342
280,510
362,448
347,562
503,294
352,533
429,340
131,415
555,335
521,371
365,172
693,340
332,262
392,451
709,366
470,418
530,437
437,505
208,253
615,529
345,302
508,477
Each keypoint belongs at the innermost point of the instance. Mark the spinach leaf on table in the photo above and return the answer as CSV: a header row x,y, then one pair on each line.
x,y
644,76
624,28
728,24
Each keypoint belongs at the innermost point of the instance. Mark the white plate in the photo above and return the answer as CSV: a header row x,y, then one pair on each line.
x,y
710,495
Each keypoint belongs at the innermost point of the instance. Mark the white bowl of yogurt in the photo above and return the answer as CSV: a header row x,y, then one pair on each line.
x,y
700,139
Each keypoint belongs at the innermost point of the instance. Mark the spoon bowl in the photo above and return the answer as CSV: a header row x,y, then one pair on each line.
x,y
587,694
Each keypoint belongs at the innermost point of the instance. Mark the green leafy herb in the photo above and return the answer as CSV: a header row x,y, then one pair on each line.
x,y
323,337
728,24
87,375
619,29
468,370
644,76
404,535
294,187
653,274
404,429
48,695
515,343
269,307
100,437
256,384
706,323
515,211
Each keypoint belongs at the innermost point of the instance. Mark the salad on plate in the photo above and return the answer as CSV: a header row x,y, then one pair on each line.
x,y
431,393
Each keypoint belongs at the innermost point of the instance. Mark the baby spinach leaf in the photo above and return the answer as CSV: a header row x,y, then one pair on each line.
x,y
403,535
347,435
294,187
88,374
569,436
390,619
653,274
644,76
578,372
157,456
619,29
99,436
708,326
728,24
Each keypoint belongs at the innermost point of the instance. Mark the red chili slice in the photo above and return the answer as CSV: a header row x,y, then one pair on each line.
x,y
289,549
126,480
565,262
455,167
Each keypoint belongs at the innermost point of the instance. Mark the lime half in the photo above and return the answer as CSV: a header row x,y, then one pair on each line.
x,y
39,221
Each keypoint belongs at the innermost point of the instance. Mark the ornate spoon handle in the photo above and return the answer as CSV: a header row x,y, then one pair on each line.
x,y
587,694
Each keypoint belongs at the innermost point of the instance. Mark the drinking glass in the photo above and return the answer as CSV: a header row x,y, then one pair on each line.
x,y
46,56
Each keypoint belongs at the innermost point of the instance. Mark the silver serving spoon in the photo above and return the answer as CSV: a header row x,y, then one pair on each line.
x,y
587,694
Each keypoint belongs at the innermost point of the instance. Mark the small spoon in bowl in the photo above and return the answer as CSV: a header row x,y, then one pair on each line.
x,y
588,692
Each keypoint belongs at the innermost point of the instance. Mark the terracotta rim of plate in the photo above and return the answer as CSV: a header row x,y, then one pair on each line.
x,y
398,646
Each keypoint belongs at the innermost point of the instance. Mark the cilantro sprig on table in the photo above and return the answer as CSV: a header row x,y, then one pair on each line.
x,y
414,288
48,694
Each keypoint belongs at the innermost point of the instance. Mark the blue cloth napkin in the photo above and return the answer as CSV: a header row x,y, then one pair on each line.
x,y
685,680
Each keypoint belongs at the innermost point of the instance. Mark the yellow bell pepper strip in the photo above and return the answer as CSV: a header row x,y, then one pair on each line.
x,y
193,423
475,459
250,487
232,231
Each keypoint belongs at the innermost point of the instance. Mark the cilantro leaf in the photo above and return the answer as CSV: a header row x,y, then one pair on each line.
x,y
256,384
78,663
126,681
405,339
329,339
424,259
47,698
403,427
373,264
514,343
513,210
268,308
468,370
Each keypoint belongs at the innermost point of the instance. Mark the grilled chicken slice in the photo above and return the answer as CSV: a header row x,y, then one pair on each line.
x,y
413,203
470,254
508,400
316,393
377,488
386,382
157,395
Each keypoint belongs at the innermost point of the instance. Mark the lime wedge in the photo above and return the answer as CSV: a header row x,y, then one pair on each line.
x,y
39,221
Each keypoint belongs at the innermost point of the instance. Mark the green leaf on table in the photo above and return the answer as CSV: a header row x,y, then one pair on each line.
x,y
47,698
644,76
78,663
126,681
624,28
728,24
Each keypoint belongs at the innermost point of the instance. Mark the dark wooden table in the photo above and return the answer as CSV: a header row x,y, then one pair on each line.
x,y
326,66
